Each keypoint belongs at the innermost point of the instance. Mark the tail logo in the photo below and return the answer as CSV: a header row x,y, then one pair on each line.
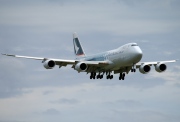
x,y
77,47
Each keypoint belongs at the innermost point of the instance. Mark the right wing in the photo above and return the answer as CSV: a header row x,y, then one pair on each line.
x,y
63,62
60,62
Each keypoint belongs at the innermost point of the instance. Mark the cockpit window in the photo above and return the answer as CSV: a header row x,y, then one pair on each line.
x,y
134,45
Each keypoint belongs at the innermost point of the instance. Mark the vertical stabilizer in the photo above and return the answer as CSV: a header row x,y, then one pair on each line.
x,y
78,50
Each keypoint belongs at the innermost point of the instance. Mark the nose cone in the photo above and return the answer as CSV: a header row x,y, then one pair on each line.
x,y
138,54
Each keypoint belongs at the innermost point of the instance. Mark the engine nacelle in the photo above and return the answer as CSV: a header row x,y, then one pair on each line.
x,y
144,69
81,67
160,67
49,64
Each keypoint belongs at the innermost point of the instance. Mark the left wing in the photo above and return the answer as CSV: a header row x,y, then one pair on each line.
x,y
160,66
154,63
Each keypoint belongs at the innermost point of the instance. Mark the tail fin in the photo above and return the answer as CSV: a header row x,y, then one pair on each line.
x,y
78,50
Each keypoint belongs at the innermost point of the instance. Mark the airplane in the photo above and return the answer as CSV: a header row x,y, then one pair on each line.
x,y
120,61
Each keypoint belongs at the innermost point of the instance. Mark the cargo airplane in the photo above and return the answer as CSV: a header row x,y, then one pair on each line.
x,y
120,61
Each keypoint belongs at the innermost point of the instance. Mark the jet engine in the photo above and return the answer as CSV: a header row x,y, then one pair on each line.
x,y
144,69
160,67
49,64
81,67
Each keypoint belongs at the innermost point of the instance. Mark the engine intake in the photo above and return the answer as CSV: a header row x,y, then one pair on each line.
x,y
144,69
49,64
160,67
81,67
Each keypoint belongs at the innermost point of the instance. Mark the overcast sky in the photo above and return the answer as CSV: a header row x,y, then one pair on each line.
x,y
30,93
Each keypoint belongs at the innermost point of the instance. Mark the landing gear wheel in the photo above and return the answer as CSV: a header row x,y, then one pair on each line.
x,y
133,70
93,75
111,77
123,77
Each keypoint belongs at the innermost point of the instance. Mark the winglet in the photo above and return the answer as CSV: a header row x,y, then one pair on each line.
x,y
75,35
8,54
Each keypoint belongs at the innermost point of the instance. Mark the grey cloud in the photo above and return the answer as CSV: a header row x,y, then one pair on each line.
x,y
47,92
54,20
130,103
65,101
177,85
125,104
147,116
51,111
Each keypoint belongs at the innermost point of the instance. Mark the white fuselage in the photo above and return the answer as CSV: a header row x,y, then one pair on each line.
x,y
126,55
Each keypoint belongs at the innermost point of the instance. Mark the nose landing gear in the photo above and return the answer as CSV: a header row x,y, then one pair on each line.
x,y
133,69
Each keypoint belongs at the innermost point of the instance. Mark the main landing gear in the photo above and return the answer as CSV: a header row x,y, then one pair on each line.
x,y
108,76
100,76
93,75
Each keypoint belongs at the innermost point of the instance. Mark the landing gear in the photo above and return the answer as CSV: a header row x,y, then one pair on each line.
x,y
122,76
109,76
93,75
99,76
133,69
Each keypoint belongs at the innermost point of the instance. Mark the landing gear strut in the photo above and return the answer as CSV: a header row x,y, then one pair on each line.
x,y
122,76
133,69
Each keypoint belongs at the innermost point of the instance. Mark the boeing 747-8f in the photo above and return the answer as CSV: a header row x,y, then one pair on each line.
x,y
118,61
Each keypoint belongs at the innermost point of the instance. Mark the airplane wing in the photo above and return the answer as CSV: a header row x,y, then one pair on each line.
x,y
62,62
154,62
